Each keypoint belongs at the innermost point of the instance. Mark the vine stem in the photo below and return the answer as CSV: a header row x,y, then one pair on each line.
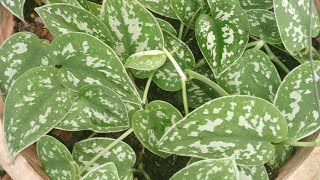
x,y
258,44
146,90
105,150
275,59
192,19
181,30
200,63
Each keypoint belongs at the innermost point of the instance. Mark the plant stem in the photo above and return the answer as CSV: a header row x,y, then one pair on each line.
x,y
181,30
301,144
316,52
92,135
275,59
185,96
258,44
192,19
105,150
146,90
200,63
204,79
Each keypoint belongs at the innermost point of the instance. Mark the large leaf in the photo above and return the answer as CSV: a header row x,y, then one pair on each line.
x,y
79,3
256,4
23,51
56,159
223,37
149,125
164,25
253,173
146,60
63,18
297,102
282,154
121,155
86,60
35,104
242,126
292,19
253,74
133,27
106,171
14,6
162,7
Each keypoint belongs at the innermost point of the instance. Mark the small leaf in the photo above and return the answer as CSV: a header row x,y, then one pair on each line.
x,y
15,7
242,126
56,159
35,104
146,60
256,4
79,3
94,8
149,125
252,173
162,7
106,171
165,25
282,154
121,155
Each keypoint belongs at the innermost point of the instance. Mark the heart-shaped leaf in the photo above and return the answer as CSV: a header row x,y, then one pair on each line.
x,y
242,126
121,155
293,31
56,159
162,7
164,25
63,18
223,37
253,74
149,125
282,154
106,171
263,25
15,7
134,28
34,105
297,102
256,4
252,173
79,3
146,60
21,52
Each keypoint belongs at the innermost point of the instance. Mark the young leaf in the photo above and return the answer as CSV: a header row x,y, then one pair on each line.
x,y
15,7
106,171
21,52
297,102
121,155
162,7
293,31
282,154
256,4
252,173
223,37
34,105
253,74
134,28
146,60
209,169
56,159
79,3
150,124
242,126
63,18
164,25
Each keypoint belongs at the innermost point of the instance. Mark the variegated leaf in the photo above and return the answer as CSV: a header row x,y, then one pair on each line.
x,y
56,159
121,155
253,173
167,77
79,3
134,28
292,19
297,102
164,25
253,74
240,126
21,52
146,60
162,7
256,4
64,18
106,171
34,105
15,7
149,125
282,154
94,8
222,38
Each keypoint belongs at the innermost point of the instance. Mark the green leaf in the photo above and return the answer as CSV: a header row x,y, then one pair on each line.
x,y
94,8
263,25
86,60
15,7
162,7
167,77
282,154
149,125
165,25
63,18
293,31
223,37
79,3
256,4
35,104
134,28
253,74
242,126
297,102
106,171
209,169
21,52
146,60
56,159
252,173
121,155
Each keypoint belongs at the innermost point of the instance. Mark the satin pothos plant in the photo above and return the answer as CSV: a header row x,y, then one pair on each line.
x,y
244,117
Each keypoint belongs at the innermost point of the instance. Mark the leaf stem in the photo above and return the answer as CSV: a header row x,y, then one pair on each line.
x,y
192,19
275,59
316,52
105,150
302,144
146,90
181,30
92,135
200,63
258,44
185,96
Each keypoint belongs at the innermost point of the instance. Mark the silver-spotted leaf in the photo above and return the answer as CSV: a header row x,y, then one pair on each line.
x,y
297,102
292,19
149,125
209,169
164,25
253,74
64,18
79,3
223,36
94,8
256,4
282,154
15,6
21,52
240,126
146,60
106,171
162,7
253,173
134,28
56,159
121,155
35,104
167,77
